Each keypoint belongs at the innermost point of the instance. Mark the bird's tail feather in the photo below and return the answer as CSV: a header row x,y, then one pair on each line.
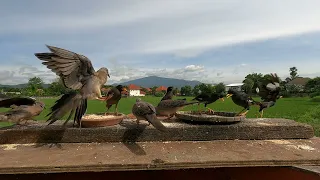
x,y
152,118
68,102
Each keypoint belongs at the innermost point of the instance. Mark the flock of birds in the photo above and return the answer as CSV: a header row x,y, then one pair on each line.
x,y
77,73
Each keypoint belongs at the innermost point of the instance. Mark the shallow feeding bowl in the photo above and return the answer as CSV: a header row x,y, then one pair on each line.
x,y
101,120
216,117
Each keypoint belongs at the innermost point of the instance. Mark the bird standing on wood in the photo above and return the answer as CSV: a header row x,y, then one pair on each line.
x,y
146,111
207,98
268,90
76,73
241,99
170,107
21,109
113,96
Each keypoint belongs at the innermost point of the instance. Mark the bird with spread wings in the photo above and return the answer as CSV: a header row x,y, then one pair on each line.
x,y
268,89
77,73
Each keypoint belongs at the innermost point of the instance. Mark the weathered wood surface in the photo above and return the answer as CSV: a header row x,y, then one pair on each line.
x,y
217,117
128,130
80,157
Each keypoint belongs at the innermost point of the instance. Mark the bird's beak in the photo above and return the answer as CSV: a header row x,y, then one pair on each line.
x,y
108,75
229,95
222,99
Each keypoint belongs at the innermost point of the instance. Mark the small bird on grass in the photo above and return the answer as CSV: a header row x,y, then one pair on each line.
x,y
146,111
76,73
113,96
170,107
22,108
268,90
241,99
207,98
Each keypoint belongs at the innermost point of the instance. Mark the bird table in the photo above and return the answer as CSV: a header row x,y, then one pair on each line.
x,y
251,149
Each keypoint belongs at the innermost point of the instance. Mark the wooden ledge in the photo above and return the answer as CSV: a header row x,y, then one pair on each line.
x,y
128,130
97,157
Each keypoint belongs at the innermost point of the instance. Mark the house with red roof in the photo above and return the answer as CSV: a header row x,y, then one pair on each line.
x,y
135,90
161,88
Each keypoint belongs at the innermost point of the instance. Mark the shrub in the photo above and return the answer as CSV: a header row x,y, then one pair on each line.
x,y
159,94
315,94
315,99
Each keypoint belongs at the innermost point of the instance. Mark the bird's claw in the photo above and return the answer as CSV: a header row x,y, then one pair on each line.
x,y
210,111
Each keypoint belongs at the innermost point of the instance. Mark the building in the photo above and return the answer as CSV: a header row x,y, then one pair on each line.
x,y
235,86
299,83
135,90
161,88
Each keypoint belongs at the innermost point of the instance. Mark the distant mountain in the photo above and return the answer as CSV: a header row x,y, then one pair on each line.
x,y
20,85
160,81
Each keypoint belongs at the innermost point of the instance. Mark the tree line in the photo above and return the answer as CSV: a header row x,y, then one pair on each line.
x,y
35,87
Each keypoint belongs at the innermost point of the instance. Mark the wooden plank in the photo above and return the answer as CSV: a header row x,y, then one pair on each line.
x,y
97,157
128,130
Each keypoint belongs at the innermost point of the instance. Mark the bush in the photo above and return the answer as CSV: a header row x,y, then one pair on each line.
x,y
315,99
159,94
315,94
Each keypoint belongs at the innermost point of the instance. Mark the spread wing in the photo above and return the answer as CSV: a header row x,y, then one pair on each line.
x,y
73,68
269,88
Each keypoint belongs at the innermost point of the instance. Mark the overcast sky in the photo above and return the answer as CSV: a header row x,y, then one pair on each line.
x,y
207,40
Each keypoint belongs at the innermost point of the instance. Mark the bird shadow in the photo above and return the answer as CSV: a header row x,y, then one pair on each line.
x,y
131,136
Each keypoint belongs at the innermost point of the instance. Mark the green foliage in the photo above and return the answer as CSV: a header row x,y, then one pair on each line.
x,y
313,85
317,93
203,88
220,88
251,80
293,73
315,99
56,88
159,94
186,91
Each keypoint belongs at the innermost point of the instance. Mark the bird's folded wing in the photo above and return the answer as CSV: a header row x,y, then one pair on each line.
x,y
16,101
73,68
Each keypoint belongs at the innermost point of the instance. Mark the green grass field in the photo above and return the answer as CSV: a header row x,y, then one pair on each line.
x,y
298,109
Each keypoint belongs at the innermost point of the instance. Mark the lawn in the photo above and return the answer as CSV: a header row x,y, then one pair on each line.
x,y
298,109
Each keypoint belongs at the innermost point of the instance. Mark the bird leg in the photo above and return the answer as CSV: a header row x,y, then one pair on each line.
x,y
170,116
117,109
211,111
138,121
243,114
261,114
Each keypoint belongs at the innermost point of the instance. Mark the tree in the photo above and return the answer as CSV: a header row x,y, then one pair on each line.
x,y
56,88
220,88
293,73
255,78
203,88
153,90
313,85
186,91
248,86
33,85
175,91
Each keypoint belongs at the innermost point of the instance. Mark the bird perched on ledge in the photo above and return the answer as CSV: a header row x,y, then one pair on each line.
x,y
113,96
207,98
241,99
268,90
22,108
146,111
76,73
